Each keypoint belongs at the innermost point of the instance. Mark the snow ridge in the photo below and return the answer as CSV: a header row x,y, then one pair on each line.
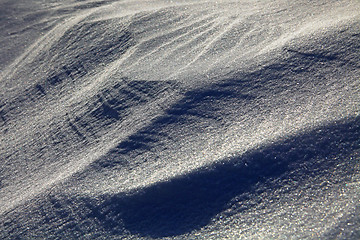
x,y
180,119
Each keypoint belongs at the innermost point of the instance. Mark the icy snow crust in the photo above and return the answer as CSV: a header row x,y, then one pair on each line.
x,y
180,119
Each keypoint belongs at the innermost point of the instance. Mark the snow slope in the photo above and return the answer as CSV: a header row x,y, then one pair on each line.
x,y
179,119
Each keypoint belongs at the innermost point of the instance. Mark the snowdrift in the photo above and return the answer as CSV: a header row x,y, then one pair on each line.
x,y
180,119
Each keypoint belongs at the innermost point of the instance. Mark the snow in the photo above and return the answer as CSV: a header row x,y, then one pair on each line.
x,y
179,119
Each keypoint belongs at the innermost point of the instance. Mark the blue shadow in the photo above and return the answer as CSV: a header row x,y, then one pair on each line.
x,y
190,202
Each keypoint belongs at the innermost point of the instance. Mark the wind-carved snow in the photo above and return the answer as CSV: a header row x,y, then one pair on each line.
x,y
181,119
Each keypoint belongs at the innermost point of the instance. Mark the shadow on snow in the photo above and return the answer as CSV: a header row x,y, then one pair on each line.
x,y
190,202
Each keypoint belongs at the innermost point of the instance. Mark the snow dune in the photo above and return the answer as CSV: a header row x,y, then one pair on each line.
x,y
180,119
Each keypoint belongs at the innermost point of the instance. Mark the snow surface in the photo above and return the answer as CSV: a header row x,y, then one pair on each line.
x,y
179,119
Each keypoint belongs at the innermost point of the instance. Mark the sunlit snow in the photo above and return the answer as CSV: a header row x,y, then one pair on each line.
x,y
188,119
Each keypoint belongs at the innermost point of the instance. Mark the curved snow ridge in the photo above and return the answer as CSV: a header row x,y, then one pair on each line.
x,y
191,201
263,189
234,115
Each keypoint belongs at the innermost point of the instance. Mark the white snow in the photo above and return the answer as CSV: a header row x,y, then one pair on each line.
x,y
179,119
